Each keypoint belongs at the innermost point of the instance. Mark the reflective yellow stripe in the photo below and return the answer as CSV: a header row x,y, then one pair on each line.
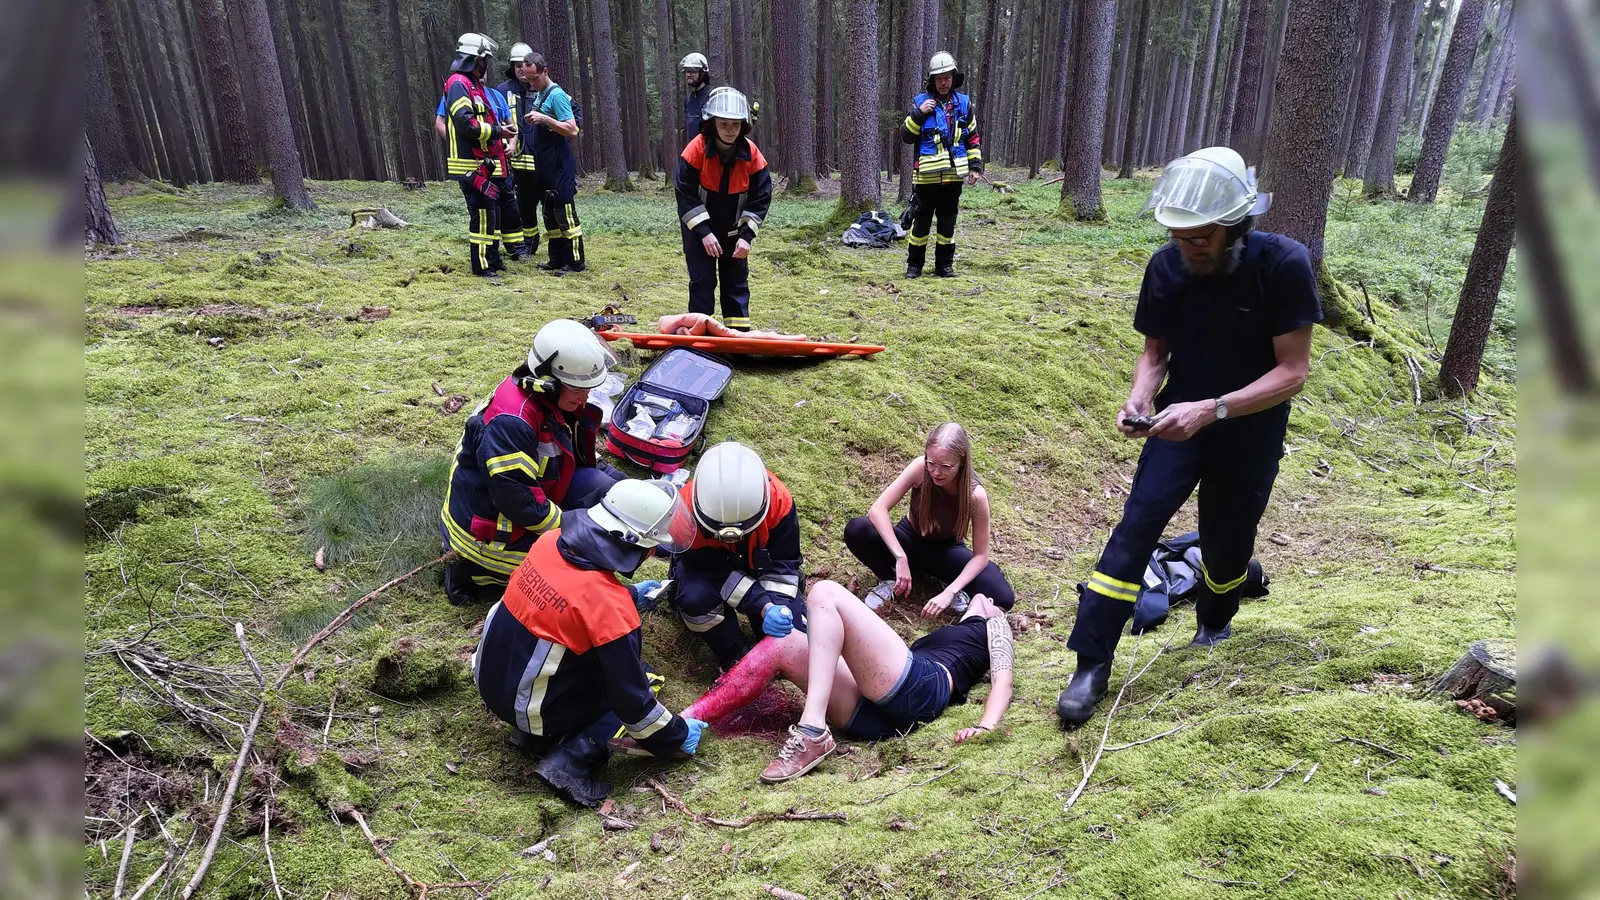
x,y
512,461
912,126
1222,588
551,520
460,102
502,561
917,241
947,240
1115,588
737,322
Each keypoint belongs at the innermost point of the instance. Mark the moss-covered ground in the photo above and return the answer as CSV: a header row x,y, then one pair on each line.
x,y
232,378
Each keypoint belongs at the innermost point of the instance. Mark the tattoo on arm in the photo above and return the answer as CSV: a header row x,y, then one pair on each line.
x,y
1001,649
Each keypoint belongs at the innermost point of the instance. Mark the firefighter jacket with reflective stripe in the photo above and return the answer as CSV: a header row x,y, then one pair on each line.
x,y
472,132
766,561
563,647
723,199
519,98
512,469
947,139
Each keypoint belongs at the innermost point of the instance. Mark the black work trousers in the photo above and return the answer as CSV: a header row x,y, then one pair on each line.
x,y
1234,463
942,200
708,273
942,559
483,229
528,203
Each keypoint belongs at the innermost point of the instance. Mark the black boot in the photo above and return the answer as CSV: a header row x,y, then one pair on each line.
x,y
570,771
458,586
1076,704
1205,636
943,257
560,256
520,252
915,257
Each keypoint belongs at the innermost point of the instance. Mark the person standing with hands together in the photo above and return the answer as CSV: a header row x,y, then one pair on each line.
x,y
1226,313
944,129
724,190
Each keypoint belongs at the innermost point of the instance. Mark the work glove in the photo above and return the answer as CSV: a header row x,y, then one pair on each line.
x,y
778,621
692,742
644,594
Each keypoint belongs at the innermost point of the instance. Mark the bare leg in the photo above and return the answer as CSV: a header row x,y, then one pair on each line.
x,y
840,627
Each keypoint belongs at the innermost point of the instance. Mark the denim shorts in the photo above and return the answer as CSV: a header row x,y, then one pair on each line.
x,y
921,695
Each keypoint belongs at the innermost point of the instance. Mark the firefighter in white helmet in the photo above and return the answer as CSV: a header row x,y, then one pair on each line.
x,y
527,453
697,87
1226,313
475,137
944,128
745,557
724,189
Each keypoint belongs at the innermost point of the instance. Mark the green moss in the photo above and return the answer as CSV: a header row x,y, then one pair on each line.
x,y
212,466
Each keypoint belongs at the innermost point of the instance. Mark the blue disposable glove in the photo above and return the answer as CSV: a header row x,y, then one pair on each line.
x,y
778,621
641,591
692,742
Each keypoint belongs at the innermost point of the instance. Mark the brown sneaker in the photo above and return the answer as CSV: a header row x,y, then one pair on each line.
x,y
800,754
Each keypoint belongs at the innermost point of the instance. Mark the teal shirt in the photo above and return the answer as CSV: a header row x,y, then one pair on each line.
x,y
556,104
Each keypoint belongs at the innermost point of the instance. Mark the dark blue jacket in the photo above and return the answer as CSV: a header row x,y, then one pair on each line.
x,y
694,103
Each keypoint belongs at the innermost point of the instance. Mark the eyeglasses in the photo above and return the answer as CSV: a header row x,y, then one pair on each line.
x,y
1199,241
942,467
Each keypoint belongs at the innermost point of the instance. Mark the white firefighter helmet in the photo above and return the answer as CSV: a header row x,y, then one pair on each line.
x,y
519,52
695,61
726,103
1211,186
941,63
645,514
474,44
730,491
571,354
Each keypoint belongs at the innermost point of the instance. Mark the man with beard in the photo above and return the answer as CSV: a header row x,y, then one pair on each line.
x,y
697,87
1226,313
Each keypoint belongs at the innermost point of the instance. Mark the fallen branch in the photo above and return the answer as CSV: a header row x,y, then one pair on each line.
x,y
1504,790
261,708
1154,737
1346,739
790,815
1282,774
127,853
419,889
912,785
1222,881
266,844
1130,678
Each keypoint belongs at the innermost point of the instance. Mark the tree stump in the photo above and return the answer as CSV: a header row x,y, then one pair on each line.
x,y
1483,681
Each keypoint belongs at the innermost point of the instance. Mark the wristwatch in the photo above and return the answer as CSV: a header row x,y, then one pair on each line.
x,y
1222,408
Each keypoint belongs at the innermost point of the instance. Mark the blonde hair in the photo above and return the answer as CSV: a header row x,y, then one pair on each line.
x,y
952,437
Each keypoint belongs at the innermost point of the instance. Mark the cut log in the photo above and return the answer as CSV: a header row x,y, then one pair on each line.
x,y
1486,673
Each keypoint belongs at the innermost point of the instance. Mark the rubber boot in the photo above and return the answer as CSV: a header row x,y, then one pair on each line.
x,y
570,771
1076,704
915,258
458,586
560,256
943,257
520,252
1205,636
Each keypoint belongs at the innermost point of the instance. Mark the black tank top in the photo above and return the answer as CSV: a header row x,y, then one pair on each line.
x,y
942,511
963,649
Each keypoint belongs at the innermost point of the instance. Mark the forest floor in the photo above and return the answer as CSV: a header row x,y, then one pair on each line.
x,y
249,368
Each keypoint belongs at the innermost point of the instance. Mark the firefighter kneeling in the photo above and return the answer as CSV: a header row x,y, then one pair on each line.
x,y
745,557
560,659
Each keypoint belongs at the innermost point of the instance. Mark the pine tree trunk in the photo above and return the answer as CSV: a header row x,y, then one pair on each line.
x,y
1117,107
1480,290
959,48
1378,173
1204,73
1303,144
1497,45
1177,87
1080,182
931,34
669,81
149,131
1446,35
531,15
288,180
986,87
1451,93
558,32
888,141
591,157
1508,74
827,155
741,18
305,105
105,102
1136,75
1244,137
358,127
238,156
410,152
1054,102
639,94
192,113
908,87
717,41
208,156
1269,70
1552,290
98,226
607,96
1230,97
1375,66
1352,95
163,95
858,163
796,64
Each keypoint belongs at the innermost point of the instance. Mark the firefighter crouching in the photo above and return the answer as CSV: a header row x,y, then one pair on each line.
x,y
745,557
474,140
724,190
528,452
560,657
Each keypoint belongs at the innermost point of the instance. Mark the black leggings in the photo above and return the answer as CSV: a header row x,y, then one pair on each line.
x,y
941,559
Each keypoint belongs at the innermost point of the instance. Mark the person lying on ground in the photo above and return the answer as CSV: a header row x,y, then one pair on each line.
x,y
947,503
559,660
859,676
702,324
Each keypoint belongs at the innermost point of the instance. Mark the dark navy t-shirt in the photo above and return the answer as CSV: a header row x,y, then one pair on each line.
x,y
1219,328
